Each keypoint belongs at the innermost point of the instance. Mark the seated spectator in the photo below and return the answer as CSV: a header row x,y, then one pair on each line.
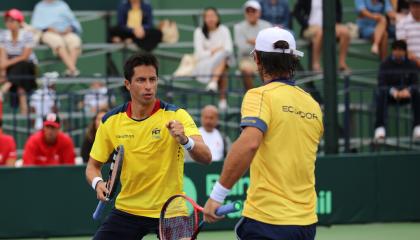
x,y
17,60
213,49
408,29
7,148
245,34
60,31
43,100
211,136
401,7
398,84
373,24
97,98
49,146
309,15
90,135
276,12
135,22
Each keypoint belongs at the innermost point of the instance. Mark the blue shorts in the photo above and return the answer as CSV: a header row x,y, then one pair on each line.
x,y
250,229
122,225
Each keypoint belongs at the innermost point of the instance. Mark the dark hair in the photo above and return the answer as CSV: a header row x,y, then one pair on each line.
x,y
139,59
399,44
278,64
91,129
205,28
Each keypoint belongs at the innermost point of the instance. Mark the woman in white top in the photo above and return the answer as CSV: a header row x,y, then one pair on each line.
x,y
213,51
17,60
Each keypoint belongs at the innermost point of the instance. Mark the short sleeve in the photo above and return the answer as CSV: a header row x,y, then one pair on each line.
x,y
28,40
2,39
190,127
255,110
388,6
102,146
400,30
360,5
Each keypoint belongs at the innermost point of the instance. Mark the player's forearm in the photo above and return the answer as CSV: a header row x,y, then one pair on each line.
x,y
201,152
93,169
237,163
240,157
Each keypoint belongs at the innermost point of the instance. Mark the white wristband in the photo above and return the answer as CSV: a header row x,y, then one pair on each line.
x,y
95,182
189,145
219,193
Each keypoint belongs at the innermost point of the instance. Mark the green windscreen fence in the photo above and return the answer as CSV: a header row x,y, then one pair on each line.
x,y
57,201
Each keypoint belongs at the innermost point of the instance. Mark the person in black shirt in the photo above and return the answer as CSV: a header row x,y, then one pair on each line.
x,y
397,84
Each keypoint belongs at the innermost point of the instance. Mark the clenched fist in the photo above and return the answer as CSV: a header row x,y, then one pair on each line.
x,y
177,131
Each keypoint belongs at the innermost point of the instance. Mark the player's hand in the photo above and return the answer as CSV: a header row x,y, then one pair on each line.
x,y
139,32
176,129
101,191
405,94
210,211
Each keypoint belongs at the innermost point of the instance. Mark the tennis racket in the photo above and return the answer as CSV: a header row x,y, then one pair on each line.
x,y
180,217
113,180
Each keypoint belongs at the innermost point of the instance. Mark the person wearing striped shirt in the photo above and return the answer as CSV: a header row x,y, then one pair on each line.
x,y
17,60
408,29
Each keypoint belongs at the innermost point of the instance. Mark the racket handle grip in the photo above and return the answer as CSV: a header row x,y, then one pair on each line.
x,y
98,211
229,208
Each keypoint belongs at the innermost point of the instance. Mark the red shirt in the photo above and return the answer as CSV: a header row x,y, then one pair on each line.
x,y
7,148
37,152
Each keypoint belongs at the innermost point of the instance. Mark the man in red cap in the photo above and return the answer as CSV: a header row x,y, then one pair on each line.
x,y
49,146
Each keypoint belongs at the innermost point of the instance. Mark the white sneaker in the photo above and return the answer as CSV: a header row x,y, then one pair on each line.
x,y
212,86
223,105
380,133
416,133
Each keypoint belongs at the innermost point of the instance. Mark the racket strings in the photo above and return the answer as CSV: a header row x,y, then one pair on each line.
x,y
178,227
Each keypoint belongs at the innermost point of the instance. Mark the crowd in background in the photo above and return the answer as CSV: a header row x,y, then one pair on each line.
x,y
54,24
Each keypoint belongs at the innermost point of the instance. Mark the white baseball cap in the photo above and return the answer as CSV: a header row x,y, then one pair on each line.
x,y
252,4
267,37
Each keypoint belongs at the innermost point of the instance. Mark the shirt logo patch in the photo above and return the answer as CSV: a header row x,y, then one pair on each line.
x,y
156,133
124,136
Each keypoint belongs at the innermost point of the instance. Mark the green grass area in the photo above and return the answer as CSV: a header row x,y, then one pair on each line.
x,y
389,231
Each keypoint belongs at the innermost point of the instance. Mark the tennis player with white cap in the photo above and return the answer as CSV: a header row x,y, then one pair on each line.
x,y
282,127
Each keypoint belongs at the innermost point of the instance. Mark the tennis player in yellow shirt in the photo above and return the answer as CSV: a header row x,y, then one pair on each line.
x,y
282,127
154,135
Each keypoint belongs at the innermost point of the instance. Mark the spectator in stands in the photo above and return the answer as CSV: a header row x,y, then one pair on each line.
x,y
60,31
398,84
135,22
211,136
309,15
401,7
7,148
408,29
373,24
17,60
49,146
213,50
90,135
43,100
245,34
98,97
276,12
